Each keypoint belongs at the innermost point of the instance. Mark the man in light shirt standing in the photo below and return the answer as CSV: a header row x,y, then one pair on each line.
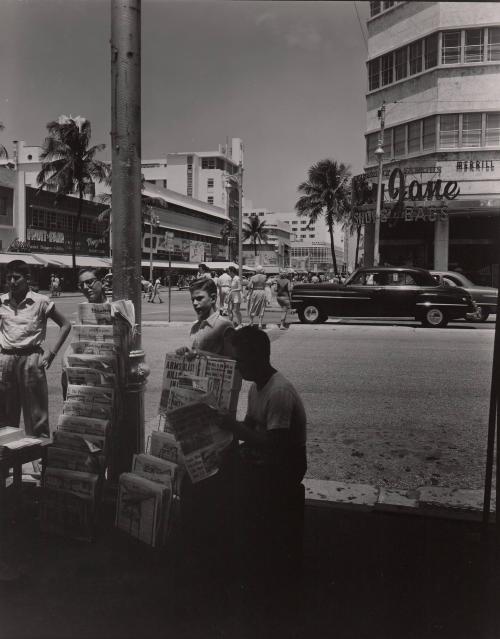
x,y
23,361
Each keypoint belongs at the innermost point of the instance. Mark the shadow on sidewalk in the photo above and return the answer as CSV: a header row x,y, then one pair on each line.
x,y
370,575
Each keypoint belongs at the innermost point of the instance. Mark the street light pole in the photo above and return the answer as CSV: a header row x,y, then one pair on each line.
x,y
379,153
128,436
240,221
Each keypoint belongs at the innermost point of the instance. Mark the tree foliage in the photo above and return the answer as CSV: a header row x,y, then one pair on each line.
x,y
69,164
325,194
255,230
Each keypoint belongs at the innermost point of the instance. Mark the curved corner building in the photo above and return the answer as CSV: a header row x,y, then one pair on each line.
x,y
434,77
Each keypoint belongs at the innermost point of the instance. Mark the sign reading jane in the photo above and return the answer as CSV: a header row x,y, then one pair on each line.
x,y
410,202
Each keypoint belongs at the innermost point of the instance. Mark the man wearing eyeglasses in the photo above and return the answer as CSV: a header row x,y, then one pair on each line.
x,y
93,290
23,361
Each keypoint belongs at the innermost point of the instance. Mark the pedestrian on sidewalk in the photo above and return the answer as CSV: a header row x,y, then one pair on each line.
x,y
224,287
211,332
155,292
257,296
235,297
23,361
283,297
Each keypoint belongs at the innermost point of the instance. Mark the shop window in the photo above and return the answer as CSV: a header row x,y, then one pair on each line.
x,y
494,43
471,129
374,74
448,134
474,41
387,68
400,140
492,134
429,133
401,63
416,57
450,50
431,51
414,137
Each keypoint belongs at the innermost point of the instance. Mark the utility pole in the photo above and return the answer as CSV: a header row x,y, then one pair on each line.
x,y
128,437
379,152
240,221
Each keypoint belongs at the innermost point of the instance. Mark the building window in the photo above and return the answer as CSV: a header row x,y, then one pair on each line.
x,y
450,50
429,133
387,65
371,145
401,63
492,136
388,143
416,57
210,199
494,43
471,129
414,137
431,51
474,41
400,140
210,183
374,74
375,8
3,206
448,134
208,163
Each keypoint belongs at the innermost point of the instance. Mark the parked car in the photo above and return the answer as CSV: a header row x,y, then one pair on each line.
x,y
383,292
484,296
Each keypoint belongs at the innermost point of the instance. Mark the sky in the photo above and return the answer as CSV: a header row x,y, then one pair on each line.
x,y
289,78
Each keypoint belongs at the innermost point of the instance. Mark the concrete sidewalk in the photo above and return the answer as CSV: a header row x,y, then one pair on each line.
x,y
367,574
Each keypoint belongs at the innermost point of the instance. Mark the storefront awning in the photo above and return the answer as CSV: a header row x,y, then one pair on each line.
x,y
30,259
176,265
66,261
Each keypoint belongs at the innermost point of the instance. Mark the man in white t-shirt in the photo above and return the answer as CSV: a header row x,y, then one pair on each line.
x,y
272,462
274,429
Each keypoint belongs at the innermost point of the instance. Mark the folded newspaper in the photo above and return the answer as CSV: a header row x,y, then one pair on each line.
x,y
196,429
83,376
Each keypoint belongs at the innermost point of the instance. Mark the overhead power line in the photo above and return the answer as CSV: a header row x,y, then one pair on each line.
x,y
360,25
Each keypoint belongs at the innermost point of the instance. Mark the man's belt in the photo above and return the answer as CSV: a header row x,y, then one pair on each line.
x,y
29,350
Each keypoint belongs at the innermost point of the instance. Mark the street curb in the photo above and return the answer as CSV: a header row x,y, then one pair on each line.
x,y
427,501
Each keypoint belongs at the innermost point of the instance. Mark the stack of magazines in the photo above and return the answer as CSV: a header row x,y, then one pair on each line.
x,y
147,497
78,459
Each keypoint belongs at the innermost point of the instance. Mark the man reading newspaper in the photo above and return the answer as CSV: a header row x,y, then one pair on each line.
x,y
272,459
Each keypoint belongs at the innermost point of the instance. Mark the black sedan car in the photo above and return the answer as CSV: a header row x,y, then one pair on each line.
x,y
383,292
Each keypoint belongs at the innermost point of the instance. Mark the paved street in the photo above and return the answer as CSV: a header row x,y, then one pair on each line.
x,y
388,404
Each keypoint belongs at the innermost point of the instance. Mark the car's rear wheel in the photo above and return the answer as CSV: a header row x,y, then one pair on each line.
x,y
434,318
311,314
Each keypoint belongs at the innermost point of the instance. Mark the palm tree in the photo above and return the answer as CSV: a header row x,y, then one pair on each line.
x,y
256,231
69,164
227,234
325,193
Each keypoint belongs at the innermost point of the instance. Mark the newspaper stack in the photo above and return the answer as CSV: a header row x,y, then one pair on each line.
x,y
145,498
78,458
193,391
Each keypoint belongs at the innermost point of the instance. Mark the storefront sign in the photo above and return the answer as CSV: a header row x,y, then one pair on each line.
x,y
475,165
420,212
417,191
61,242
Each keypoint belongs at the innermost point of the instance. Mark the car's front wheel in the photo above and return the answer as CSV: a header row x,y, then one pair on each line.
x,y
434,318
311,314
